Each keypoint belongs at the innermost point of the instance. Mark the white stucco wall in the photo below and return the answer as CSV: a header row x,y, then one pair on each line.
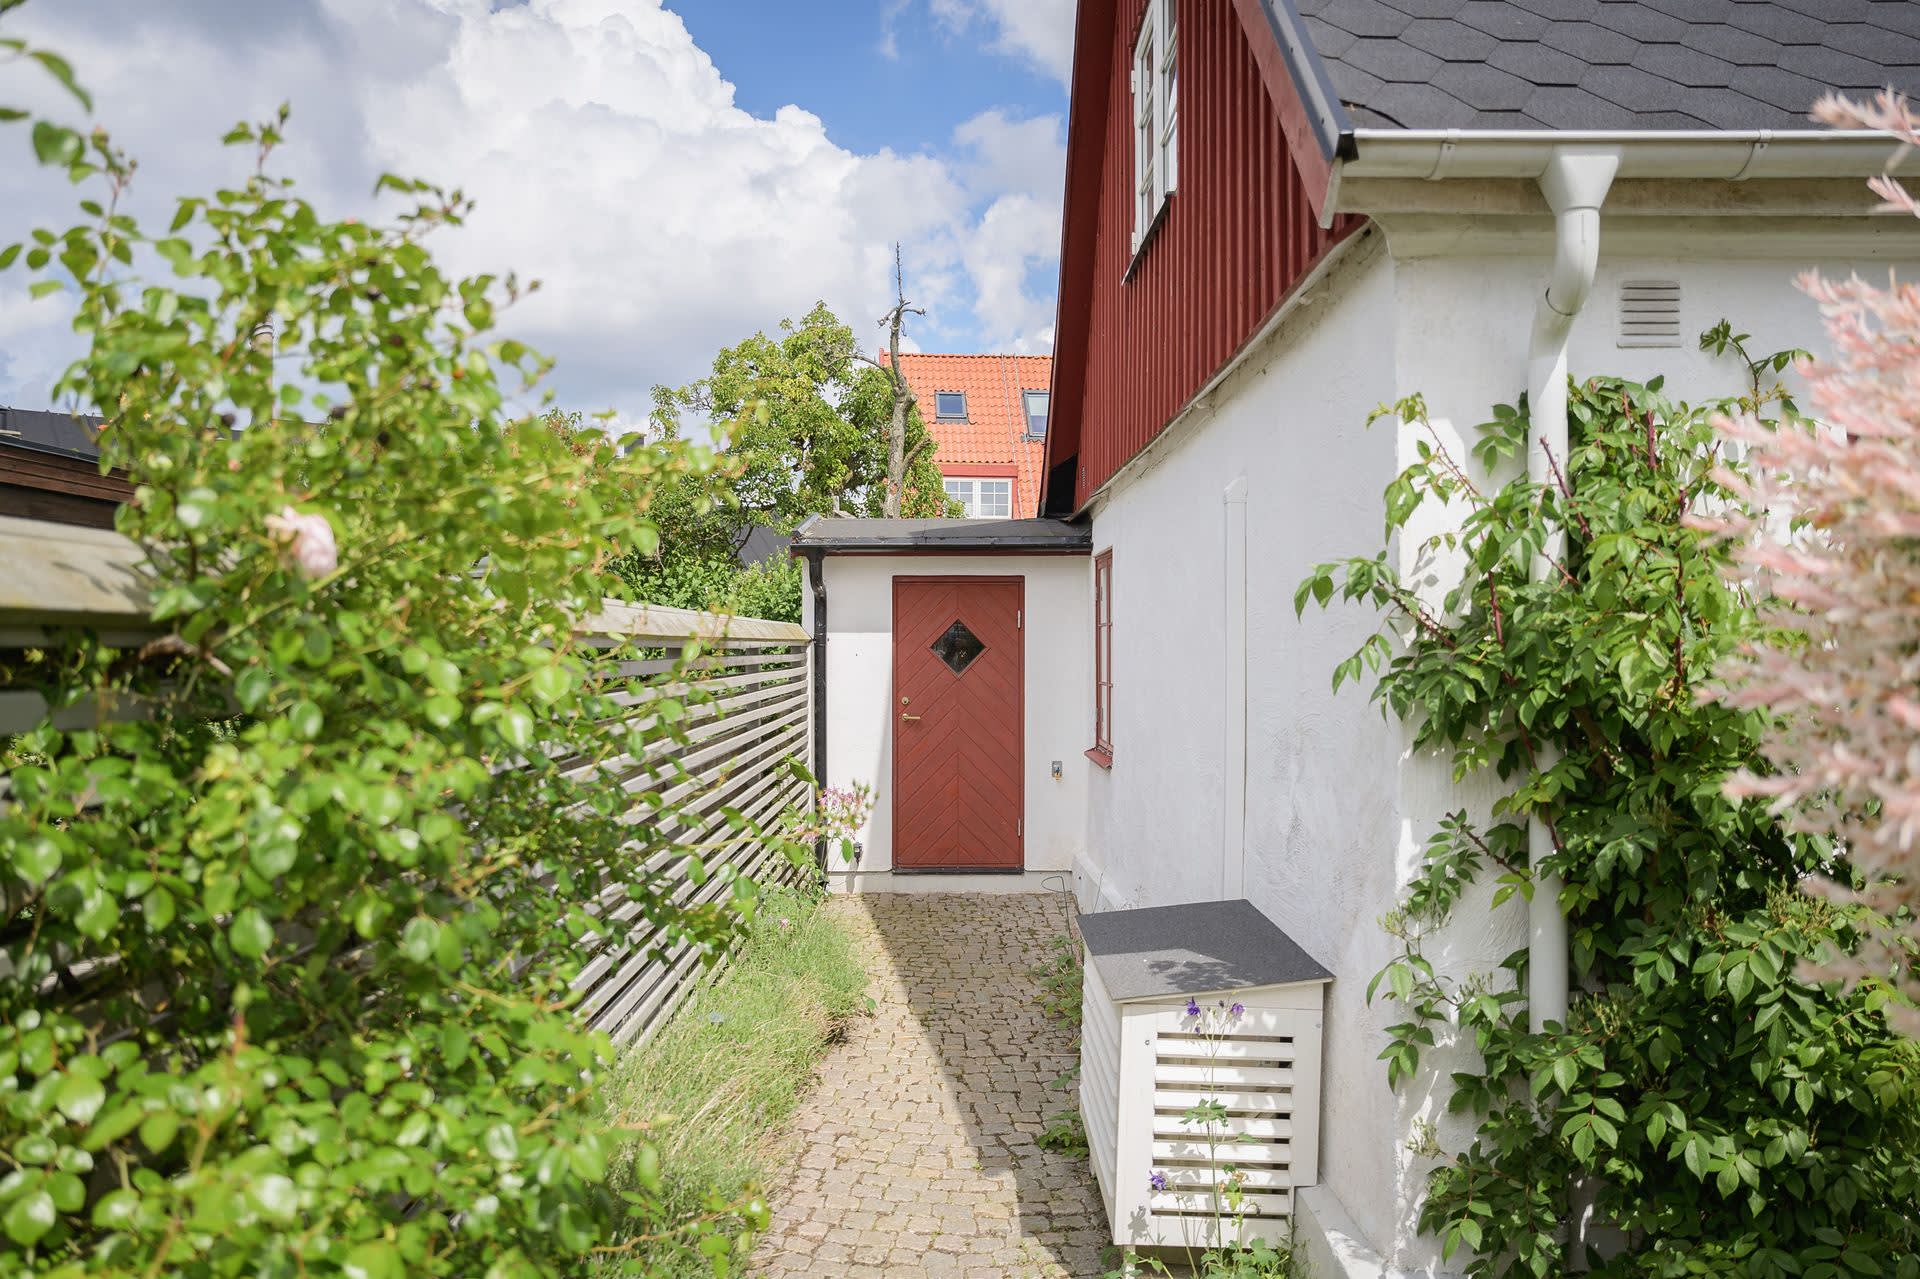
x,y
861,716
1337,810
1321,771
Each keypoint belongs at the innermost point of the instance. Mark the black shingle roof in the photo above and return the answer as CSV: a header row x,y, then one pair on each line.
x,y
51,431
1607,64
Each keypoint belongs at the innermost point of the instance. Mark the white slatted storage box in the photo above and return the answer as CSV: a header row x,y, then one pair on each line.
x,y
1203,1005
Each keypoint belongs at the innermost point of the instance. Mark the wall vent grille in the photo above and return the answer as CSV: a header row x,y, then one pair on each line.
x,y
1650,313
1251,1076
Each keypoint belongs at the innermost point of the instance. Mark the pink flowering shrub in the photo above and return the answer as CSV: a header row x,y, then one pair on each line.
x,y
1834,546
838,814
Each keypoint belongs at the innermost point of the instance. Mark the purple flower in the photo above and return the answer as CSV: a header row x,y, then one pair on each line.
x,y
1238,1010
1193,1007
1158,1181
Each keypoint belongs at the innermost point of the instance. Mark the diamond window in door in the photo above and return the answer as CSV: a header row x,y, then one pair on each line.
x,y
957,647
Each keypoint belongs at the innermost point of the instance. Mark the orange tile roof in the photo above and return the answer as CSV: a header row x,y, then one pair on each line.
x,y
994,434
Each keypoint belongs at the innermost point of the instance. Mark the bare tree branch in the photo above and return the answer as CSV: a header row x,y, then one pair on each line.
x,y
903,397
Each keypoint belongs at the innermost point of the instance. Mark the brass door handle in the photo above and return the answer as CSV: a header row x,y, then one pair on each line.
x,y
914,718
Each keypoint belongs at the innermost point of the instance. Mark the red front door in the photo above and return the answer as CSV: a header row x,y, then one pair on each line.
x,y
958,721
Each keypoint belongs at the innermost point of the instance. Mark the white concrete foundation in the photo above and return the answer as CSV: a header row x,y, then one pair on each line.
x,y
1327,1244
886,881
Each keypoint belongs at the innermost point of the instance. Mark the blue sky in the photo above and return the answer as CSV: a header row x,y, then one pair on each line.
x,y
904,81
676,176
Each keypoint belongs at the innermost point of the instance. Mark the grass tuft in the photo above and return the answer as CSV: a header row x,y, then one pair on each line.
x,y
1060,982
713,1090
1060,986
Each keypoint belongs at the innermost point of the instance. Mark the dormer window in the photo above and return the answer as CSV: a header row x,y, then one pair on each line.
x,y
1035,404
950,406
1156,115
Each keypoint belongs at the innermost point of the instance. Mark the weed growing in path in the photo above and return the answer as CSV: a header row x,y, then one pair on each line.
x,y
1060,981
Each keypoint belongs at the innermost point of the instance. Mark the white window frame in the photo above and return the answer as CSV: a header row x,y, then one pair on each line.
x,y
1156,115
1026,412
959,489
971,492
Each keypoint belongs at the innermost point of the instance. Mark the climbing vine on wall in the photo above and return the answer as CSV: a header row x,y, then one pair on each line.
x,y
1722,1115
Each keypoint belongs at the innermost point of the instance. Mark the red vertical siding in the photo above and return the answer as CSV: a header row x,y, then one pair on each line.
x,y
1239,235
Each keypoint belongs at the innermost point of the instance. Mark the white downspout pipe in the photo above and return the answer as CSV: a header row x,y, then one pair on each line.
x,y
1575,184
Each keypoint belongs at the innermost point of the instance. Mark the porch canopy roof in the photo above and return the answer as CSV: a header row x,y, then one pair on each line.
x,y
881,536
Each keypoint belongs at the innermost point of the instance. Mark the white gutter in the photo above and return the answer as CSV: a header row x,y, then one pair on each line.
x,y
1575,183
1677,155
1729,155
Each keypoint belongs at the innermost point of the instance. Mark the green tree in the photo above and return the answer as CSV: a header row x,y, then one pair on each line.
x,y
288,962
1727,1112
801,426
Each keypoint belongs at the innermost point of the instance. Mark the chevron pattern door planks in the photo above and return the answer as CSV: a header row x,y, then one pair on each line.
x,y
958,732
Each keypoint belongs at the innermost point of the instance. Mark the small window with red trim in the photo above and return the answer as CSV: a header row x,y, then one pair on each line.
x,y
1102,752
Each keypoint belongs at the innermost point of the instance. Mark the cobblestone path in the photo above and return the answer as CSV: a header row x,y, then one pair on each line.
x,y
916,1153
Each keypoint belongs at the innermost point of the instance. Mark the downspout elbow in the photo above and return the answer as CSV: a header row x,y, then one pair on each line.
x,y
1576,258
1575,184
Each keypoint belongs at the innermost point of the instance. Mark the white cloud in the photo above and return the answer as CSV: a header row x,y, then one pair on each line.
x,y
1040,31
607,158
1017,233
890,14
1010,154
1012,251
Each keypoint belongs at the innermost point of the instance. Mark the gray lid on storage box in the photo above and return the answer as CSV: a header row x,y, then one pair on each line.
x,y
1190,949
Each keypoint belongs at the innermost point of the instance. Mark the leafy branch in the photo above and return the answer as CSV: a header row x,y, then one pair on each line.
x,y
1727,1110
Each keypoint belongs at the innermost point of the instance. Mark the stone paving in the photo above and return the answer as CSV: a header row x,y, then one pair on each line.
x,y
916,1153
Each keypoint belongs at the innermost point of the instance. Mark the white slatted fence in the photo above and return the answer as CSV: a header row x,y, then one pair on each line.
x,y
749,713
757,678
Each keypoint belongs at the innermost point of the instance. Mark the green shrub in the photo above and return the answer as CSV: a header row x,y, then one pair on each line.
x,y
1725,1111
714,1087
769,589
290,997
